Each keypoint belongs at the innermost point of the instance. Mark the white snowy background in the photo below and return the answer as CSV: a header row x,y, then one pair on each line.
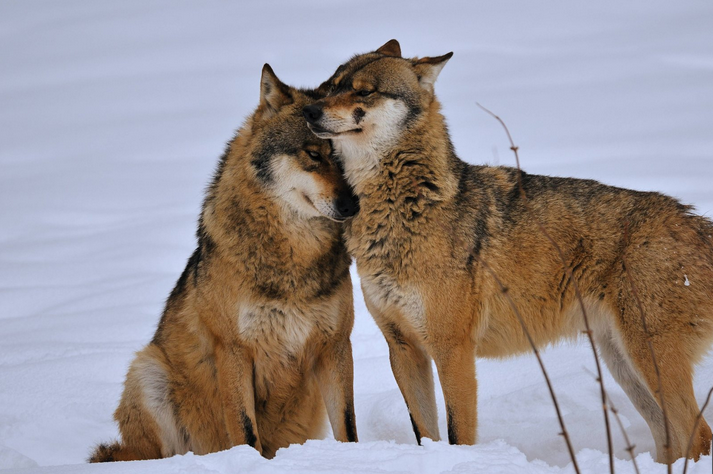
x,y
113,116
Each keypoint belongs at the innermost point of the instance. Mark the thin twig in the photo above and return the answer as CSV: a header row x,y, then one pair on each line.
x,y
695,427
629,446
649,343
507,296
575,286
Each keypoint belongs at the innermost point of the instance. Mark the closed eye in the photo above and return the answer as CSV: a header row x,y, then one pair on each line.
x,y
315,156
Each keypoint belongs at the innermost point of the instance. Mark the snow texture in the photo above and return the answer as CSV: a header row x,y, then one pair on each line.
x,y
112,118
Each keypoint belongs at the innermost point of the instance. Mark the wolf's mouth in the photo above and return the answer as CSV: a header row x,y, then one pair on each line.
x,y
322,132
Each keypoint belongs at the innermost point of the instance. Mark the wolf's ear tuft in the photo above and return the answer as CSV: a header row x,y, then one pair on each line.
x,y
428,70
391,48
273,93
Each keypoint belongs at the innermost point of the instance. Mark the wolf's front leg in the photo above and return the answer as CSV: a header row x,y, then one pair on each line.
x,y
455,361
235,384
411,366
335,373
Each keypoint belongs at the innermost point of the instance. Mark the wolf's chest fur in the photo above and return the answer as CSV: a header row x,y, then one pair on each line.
x,y
288,327
396,207
388,236
284,340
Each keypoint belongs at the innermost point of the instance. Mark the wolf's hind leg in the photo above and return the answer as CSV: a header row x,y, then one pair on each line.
x,y
631,364
633,385
146,415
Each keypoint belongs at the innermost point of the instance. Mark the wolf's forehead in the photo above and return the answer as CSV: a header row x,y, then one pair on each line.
x,y
370,70
293,133
287,135
343,74
288,129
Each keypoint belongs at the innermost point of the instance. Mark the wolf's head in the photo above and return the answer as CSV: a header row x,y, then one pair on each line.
x,y
372,98
292,163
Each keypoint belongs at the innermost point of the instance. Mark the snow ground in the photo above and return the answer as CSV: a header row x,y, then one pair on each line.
x,y
113,115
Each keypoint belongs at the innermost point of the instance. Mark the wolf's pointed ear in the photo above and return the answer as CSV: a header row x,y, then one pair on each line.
x,y
391,48
428,70
273,93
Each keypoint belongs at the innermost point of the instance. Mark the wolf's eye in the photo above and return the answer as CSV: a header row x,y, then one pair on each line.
x,y
364,93
315,156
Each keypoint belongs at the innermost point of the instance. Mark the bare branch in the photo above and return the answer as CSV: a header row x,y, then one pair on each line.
x,y
629,446
507,296
575,286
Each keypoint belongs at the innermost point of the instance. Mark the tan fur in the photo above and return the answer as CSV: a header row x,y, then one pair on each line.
x,y
428,220
254,340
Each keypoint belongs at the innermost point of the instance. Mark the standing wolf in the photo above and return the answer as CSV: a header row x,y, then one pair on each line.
x,y
254,340
428,220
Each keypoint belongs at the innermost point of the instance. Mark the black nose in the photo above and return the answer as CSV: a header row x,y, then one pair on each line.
x,y
312,112
347,205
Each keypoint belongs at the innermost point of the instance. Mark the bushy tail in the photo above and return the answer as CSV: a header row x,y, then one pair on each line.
x,y
112,452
